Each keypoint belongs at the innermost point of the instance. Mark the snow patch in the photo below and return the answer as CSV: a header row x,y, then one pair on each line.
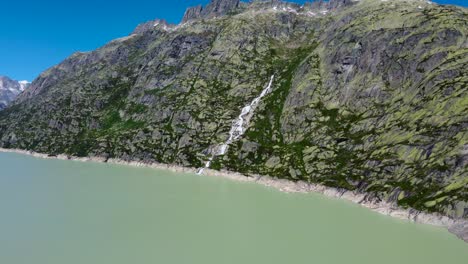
x,y
23,85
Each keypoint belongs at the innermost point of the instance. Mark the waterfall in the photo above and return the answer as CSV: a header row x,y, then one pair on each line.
x,y
239,125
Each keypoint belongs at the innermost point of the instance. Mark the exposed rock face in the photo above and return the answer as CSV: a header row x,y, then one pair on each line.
x,y
144,27
460,229
335,4
276,4
369,96
213,9
192,13
9,90
329,5
220,7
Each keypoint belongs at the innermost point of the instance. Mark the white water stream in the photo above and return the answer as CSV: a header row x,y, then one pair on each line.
x,y
239,125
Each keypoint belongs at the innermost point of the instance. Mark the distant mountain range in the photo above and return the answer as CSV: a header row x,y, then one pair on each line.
x,y
10,89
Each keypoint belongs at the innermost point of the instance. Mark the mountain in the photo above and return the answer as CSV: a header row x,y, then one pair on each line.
x,y
366,95
10,89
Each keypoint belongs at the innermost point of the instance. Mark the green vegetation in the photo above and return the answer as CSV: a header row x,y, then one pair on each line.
x,y
372,98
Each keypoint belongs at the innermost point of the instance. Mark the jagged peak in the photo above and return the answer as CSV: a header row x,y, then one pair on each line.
x,y
222,7
216,8
192,13
4,77
152,24
213,9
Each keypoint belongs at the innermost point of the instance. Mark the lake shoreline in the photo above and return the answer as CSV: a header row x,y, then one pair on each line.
x,y
459,227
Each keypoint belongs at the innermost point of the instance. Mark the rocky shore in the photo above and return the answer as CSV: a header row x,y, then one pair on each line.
x,y
459,227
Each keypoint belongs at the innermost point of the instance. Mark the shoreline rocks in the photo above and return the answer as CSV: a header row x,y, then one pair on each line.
x,y
458,227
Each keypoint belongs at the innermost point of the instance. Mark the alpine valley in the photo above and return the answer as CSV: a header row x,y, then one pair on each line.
x,y
366,96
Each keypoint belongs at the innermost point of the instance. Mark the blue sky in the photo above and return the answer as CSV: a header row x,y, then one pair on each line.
x,y
35,35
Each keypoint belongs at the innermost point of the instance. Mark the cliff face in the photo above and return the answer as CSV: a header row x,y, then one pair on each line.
x,y
367,95
213,9
9,90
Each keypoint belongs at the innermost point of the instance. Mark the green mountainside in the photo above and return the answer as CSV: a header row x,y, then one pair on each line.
x,y
367,95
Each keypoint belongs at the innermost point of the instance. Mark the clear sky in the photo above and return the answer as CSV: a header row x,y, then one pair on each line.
x,y
37,34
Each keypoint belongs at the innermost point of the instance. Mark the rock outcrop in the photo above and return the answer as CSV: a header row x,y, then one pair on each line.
x,y
192,13
329,5
335,4
213,9
144,27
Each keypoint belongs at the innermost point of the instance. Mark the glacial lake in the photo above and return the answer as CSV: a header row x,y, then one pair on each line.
x,y
56,212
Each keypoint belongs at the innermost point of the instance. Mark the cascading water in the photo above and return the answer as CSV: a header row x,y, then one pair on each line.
x,y
239,125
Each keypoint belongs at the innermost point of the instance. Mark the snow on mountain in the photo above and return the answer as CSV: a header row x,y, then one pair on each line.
x,y
10,89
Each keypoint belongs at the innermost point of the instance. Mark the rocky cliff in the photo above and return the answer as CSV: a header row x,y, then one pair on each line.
x,y
9,90
213,9
368,96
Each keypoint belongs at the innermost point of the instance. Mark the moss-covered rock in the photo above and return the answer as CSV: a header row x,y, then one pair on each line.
x,y
371,96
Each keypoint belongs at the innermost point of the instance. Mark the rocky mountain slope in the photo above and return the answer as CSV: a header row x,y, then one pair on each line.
x,y
367,95
9,90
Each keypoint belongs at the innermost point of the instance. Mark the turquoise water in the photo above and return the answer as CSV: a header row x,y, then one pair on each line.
x,y
57,212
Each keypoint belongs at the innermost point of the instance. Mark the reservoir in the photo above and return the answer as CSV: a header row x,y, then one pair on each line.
x,y
55,212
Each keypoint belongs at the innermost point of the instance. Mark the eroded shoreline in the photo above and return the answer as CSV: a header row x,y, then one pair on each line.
x,y
459,227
